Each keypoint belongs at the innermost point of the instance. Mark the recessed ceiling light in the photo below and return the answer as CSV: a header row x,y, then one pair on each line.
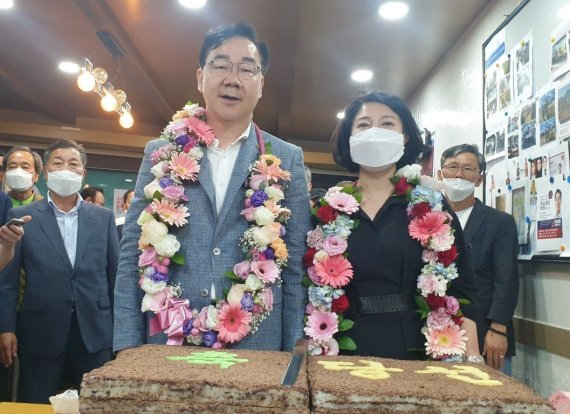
x,y
6,4
340,115
564,13
129,180
69,67
362,75
193,4
393,10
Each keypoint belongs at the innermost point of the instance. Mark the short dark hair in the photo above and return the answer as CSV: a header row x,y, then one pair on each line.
x,y
317,193
66,143
37,159
453,152
90,192
218,35
558,192
341,136
126,194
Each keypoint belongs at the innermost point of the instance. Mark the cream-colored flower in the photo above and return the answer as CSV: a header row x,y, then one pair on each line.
x,y
236,294
253,283
151,287
145,217
151,188
157,170
196,153
410,172
212,318
168,246
152,232
263,216
266,234
249,192
275,194
320,256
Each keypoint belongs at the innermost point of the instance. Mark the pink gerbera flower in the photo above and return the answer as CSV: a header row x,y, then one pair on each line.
x,y
184,166
448,341
431,225
202,130
342,202
233,323
169,213
271,172
335,271
321,326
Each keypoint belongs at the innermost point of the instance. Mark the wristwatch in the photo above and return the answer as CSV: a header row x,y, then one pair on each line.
x,y
474,359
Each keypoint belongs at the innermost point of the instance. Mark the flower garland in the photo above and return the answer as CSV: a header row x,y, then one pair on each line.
x,y
329,270
250,299
429,225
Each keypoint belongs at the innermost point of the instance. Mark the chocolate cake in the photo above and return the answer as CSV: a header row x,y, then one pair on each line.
x,y
373,385
180,379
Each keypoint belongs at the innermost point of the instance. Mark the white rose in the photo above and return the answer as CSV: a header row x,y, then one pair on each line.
x,y
411,172
263,216
274,194
157,170
151,188
253,283
236,294
151,287
212,318
168,246
152,232
144,218
196,153
320,256
431,182
262,236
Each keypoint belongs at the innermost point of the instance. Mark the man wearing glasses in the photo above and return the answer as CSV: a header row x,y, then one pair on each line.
x,y
231,74
492,242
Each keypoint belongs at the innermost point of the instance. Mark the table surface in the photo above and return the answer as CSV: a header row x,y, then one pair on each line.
x,y
18,408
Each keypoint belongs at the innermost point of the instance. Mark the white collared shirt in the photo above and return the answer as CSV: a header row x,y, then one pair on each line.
x,y
68,223
222,162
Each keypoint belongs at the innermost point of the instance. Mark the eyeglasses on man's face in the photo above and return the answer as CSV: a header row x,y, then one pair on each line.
x,y
245,70
468,171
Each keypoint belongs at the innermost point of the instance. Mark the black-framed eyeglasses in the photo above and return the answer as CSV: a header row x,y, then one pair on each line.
x,y
222,67
453,169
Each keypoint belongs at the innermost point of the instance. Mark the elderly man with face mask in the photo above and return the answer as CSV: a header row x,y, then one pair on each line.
x,y
22,166
492,245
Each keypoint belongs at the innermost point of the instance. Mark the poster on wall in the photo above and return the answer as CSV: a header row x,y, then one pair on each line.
x,y
519,208
118,204
563,108
546,116
527,250
523,74
505,84
558,163
559,60
528,125
549,218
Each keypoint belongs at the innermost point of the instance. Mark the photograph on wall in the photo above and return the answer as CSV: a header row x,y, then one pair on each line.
x,y
559,60
513,143
513,123
558,162
523,69
491,92
495,145
563,112
516,171
500,196
546,116
505,89
549,220
519,202
526,250
528,125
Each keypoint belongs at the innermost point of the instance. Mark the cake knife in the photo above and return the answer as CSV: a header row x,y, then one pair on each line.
x,y
295,363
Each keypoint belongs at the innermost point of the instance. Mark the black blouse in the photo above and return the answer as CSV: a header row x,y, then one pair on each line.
x,y
387,261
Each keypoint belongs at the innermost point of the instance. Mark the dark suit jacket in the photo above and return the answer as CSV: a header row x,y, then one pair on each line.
x,y
5,205
52,283
492,242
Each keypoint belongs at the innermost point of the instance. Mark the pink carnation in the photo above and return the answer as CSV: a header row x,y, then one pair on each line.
x,y
452,305
266,297
334,245
431,225
439,319
316,238
321,326
342,202
312,272
266,270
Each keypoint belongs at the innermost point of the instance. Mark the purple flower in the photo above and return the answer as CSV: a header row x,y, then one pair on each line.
x,y
258,198
242,269
173,192
187,328
209,338
269,253
282,231
158,277
182,140
165,182
247,302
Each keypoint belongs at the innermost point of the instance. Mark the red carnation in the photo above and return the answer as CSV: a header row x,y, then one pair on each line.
x,y
435,302
402,187
457,319
326,214
340,305
420,209
308,257
447,257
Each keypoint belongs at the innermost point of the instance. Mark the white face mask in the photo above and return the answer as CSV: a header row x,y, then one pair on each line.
x,y
376,149
457,189
64,182
19,179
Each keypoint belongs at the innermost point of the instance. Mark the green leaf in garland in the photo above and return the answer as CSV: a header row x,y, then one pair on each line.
x,y
226,291
345,325
157,195
268,148
307,282
232,276
422,304
344,342
464,301
178,259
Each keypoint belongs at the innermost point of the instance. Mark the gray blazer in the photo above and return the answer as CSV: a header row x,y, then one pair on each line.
x,y
210,247
53,284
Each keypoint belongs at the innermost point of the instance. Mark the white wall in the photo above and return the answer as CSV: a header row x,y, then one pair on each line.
x,y
450,102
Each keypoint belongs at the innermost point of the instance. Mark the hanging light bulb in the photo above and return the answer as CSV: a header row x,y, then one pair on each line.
x,y
126,120
86,81
108,102
100,75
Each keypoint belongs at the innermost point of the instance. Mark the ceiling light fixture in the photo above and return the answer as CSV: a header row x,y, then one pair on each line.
x,y
6,4
112,100
193,4
393,10
362,75
340,114
564,13
68,67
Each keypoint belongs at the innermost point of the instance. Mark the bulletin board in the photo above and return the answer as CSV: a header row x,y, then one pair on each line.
x,y
526,118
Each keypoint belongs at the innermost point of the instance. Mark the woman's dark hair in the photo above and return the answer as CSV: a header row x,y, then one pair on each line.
x,y
341,136
218,35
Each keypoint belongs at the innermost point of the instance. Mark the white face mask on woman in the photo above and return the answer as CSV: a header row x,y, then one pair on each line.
x,y
64,182
457,189
19,179
376,149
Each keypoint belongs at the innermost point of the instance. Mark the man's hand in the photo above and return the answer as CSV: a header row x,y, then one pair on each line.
x,y
10,235
496,346
8,348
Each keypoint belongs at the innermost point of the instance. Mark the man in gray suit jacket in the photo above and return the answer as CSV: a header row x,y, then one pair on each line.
x,y
230,77
492,241
63,327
